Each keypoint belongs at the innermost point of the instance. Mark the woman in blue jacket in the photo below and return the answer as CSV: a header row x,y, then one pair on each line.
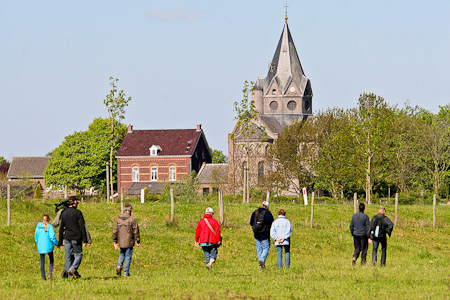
x,y
281,233
45,239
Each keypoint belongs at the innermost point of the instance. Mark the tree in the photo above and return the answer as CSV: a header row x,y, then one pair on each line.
x,y
115,102
335,165
435,153
370,124
38,191
79,161
291,156
248,136
218,157
4,167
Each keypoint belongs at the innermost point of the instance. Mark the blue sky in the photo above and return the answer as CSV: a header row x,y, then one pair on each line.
x,y
184,62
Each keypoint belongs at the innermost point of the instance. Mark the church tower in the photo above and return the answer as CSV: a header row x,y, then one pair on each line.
x,y
285,94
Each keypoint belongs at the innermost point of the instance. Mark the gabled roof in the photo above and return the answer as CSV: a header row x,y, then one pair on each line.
x,y
213,173
152,187
285,66
171,141
33,167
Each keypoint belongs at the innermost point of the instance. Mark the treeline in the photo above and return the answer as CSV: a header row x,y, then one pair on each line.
x,y
370,148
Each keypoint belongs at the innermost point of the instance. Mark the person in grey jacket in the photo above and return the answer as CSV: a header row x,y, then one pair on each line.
x,y
125,235
358,228
280,231
380,226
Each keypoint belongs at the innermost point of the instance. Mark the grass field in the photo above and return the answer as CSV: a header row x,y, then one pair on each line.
x,y
168,266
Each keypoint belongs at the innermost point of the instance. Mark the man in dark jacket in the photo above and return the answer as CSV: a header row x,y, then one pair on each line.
x,y
72,234
358,228
125,234
261,221
380,225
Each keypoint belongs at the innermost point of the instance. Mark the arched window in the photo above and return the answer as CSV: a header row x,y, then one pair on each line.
x,y
154,173
135,174
260,171
172,173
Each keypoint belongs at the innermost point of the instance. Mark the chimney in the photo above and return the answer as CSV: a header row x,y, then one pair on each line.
x,y
199,127
130,128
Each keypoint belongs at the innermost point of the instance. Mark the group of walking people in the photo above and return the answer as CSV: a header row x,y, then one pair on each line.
x,y
207,235
374,231
73,235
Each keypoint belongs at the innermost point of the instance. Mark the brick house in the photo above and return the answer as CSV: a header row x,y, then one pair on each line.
x,y
150,158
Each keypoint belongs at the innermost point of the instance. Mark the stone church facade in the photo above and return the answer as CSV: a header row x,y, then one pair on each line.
x,y
282,97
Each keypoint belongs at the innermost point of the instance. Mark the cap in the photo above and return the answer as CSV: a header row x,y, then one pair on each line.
x,y
382,208
209,210
265,203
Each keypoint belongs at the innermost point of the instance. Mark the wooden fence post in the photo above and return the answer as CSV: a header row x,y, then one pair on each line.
x,y
396,209
355,202
312,209
434,211
121,200
172,207
8,197
221,212
66,192
268,196
107,183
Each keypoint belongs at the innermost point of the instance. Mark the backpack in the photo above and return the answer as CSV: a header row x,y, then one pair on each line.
x,y
380,230
258,225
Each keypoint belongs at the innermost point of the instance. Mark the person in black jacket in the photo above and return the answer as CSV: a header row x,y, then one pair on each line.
x,y
72,234
358,228
380,225
261,220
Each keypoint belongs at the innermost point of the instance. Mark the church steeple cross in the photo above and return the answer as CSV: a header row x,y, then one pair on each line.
x,y
286,10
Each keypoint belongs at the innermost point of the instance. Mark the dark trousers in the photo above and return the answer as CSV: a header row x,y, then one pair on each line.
x,y
361,244
50,269
376,243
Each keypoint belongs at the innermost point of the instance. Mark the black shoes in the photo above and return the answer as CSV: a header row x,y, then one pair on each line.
x,y
119,271
262,265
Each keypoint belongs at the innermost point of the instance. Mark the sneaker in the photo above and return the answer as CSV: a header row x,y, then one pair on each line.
x,y
363,262
126,274
353,261
262,265
76,275
70,273
119,270
374,263
50,276
64,274
209,267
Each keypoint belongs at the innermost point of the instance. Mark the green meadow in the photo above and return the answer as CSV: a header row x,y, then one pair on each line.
x,y
169,266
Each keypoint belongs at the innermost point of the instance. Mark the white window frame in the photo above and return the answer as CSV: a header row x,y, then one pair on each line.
x,y
135,174
154,173
172,173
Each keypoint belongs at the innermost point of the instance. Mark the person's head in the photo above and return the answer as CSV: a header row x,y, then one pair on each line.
x,y
73,201
45,220
281,212
209,211
362,207
265,204
128,208
382,210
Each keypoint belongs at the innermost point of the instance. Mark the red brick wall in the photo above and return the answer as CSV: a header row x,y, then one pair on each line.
x,y
124,169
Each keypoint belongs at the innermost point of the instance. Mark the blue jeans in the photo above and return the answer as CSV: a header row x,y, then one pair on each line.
x,y
262,249
125,254
50,268
210,253
376,243
72,247
287,256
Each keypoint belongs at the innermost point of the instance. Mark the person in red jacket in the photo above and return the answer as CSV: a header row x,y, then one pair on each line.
x,y
207,235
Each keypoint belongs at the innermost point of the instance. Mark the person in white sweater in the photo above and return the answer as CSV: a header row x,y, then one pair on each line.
x,y
281,233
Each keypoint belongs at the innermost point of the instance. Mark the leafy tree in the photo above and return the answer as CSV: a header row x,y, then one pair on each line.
x,y
291,156
218,157
115,102
4,167
38,191
370,124
186,189
79,161
435,153
335,165
248,136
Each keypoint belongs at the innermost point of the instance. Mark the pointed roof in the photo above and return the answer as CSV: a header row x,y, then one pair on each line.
x,y
285,66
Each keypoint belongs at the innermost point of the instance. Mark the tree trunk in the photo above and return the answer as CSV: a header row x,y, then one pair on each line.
x,y
368,180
